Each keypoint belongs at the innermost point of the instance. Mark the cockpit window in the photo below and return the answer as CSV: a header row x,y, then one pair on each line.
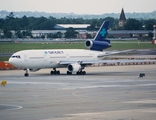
x,y
15,56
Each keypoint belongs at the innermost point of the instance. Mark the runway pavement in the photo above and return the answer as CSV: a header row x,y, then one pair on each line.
x,y
105,93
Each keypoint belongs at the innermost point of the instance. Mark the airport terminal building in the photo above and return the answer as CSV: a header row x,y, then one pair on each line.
x,y
82,34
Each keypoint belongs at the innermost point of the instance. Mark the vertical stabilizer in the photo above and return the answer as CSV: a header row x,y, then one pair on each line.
x,y
101,34
100,42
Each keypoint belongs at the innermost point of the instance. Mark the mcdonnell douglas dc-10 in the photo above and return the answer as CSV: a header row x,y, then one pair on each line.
x,y
75,60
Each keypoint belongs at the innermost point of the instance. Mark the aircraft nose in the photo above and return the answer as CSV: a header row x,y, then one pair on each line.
x,y
10,60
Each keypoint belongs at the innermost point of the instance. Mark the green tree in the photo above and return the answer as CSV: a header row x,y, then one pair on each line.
x,y
7,33
94,25
150,35
131,35
2,22
11,15
18,34
59,35
140,35
133,24
26,34
70,33
149,24
112,22
24,23
88,36
55,35
50,35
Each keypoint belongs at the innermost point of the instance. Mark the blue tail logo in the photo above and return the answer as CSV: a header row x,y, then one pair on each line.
x,y
103,32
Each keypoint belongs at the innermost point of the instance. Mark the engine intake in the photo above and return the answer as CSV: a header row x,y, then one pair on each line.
x,y
74,67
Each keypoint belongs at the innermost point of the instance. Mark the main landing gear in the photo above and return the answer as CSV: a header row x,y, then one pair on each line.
x,y
81,73
69,73
78,73
55,72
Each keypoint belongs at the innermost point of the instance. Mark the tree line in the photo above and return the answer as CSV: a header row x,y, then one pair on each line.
x,y
23,26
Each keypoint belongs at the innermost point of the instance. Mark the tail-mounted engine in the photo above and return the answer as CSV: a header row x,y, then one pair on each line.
x,y
97,45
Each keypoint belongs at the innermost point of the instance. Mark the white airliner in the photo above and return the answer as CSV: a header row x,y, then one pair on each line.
x,y
75,60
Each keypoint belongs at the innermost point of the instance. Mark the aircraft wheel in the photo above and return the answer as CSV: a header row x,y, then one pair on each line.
x,y
55,72
84,72
78,73
69,73
58,72
81,73
26,74
52,72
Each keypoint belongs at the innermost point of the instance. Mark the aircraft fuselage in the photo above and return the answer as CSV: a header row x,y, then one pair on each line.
x,y
36,59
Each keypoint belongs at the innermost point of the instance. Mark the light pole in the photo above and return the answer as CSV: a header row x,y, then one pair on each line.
x,y
154,32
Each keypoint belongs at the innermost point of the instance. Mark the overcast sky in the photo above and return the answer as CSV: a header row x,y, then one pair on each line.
x,y
79,6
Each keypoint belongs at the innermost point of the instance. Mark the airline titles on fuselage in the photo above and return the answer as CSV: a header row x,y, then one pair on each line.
x,y
54,52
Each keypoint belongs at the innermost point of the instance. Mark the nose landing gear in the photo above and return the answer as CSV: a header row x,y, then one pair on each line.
x,y
26,74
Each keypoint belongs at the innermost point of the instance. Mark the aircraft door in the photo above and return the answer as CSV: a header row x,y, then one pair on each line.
x,y
45,60
67,56
25,58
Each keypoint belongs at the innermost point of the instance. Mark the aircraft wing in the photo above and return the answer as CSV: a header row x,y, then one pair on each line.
x,y
114,52
117,61
99,61
90,62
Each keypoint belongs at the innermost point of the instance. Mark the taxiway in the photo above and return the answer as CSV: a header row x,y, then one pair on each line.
x,y
105,93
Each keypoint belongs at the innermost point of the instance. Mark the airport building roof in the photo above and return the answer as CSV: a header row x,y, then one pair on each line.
x,y
129,31
75,26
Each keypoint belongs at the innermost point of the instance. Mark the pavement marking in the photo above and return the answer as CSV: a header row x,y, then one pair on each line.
x,y
9,107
